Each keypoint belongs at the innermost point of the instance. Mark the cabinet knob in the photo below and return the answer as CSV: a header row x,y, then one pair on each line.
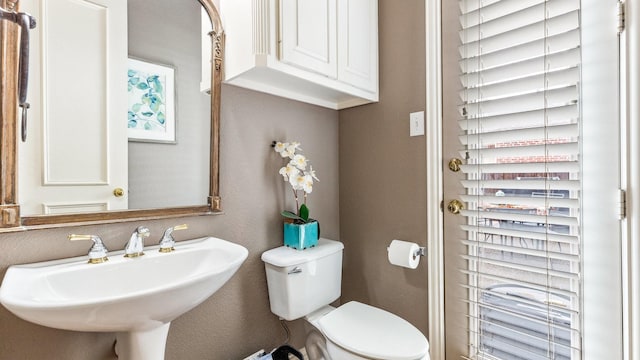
x,y
118,192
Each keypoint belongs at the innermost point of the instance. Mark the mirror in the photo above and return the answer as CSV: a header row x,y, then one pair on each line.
x,y
148,193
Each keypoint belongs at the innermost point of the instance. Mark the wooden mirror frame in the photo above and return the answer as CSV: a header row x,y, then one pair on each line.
x,y
10,208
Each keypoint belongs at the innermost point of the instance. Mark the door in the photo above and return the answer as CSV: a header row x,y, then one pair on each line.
x,y
531,112
84,158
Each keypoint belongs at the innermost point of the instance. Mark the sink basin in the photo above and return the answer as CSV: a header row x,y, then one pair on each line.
x,y
135,297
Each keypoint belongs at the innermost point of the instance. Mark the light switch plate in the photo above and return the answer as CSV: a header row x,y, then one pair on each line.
x,y
416,123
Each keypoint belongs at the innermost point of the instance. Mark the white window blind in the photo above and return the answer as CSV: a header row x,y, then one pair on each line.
x,y
520,127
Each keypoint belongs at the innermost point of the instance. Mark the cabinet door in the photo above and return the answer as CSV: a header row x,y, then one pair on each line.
x,y
308,35
358,43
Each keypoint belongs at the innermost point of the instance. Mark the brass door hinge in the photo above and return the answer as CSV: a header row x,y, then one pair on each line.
x,y
622,204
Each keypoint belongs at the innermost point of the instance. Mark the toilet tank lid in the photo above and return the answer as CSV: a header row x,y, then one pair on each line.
x,y
374,333
285,256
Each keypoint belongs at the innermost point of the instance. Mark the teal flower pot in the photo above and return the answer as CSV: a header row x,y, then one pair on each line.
x,y
301,236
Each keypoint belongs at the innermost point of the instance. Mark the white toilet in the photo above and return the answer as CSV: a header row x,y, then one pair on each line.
x,y
304,283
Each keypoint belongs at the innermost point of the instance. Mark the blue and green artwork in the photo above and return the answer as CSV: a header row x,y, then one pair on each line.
x,y
147,101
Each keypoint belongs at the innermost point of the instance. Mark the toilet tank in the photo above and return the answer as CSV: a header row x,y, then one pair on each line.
x,y
302,281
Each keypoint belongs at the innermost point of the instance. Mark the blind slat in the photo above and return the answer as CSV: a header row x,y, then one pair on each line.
x,y
554,303
518,281
520,266
480,353
540,319
564,114
541,185
563,256
549,220
523,234
559,152
468,6
522,135
521,102
529,167
517,203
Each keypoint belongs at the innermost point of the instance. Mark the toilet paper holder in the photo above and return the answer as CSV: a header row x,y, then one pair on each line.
x,y
422,251
405,254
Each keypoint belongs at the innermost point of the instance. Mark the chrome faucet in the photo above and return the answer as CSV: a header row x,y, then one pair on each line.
x,y
135,246
167,242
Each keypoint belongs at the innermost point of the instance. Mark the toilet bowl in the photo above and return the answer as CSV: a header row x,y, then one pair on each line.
x,y
304,283
356,331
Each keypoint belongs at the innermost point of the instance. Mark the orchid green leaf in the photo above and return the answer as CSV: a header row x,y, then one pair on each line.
x,y
304,212
291,215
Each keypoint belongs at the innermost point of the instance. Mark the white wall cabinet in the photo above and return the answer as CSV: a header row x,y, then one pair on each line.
x,y
323,52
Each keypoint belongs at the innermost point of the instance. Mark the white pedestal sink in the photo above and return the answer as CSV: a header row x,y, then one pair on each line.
x,y
135,297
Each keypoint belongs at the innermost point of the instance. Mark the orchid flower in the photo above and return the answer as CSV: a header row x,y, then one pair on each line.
x,y
307,184
293,146
299,161
280,146
312,173
297,181
288,171
296,174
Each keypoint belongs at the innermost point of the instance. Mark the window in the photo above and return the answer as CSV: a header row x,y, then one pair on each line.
x,y
520,117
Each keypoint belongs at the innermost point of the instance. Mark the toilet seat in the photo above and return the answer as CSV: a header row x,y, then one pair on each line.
x,y
373,333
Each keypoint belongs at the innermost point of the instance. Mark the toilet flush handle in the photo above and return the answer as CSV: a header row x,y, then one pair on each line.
x,y
295,270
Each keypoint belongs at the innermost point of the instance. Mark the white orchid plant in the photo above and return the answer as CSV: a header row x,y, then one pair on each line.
x,y
299,174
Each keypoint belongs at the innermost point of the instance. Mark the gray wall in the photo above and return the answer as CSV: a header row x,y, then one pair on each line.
x,y
236,320
383,172
175,41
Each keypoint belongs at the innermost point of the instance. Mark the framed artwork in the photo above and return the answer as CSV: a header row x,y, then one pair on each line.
x,y
151,93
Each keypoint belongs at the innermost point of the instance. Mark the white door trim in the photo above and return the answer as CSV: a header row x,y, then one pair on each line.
x,y
632,93
435,252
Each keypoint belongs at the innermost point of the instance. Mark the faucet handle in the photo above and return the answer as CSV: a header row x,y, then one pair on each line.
x,y
181,227
98,252
143,231
167,242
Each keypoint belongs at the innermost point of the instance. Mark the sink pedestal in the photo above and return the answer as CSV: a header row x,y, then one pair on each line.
x,y
142,345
